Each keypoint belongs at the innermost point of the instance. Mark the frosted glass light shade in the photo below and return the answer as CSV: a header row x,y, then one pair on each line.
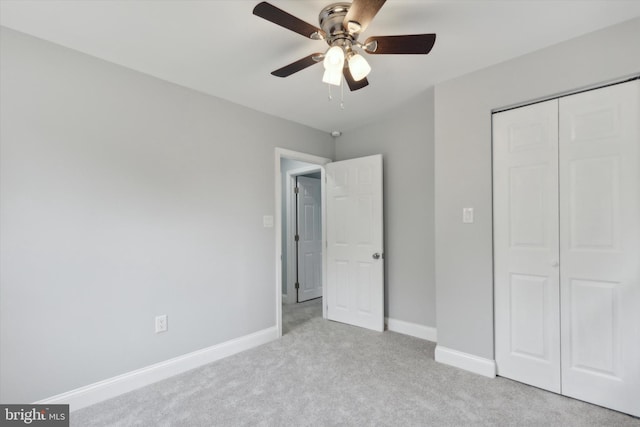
x,y
332,77
334,58
359,67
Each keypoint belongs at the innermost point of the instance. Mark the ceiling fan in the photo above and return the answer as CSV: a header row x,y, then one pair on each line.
x,y
340,26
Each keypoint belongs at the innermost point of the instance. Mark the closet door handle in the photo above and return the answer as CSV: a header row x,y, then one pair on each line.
x,y
555,263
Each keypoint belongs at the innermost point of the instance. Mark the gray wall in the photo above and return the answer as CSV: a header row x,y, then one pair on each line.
x,y
405,139
123,198
463,166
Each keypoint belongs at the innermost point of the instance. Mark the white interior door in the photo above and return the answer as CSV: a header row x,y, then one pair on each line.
x,y
527,318
600,246
355,267
309,238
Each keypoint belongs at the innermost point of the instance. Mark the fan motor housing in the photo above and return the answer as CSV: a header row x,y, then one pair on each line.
x,y
331,21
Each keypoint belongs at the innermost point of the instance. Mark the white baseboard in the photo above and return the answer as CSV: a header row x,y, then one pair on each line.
x,y
419,331
112,387
466,361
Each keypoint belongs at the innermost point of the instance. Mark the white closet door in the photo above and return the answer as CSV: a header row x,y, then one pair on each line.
x,y
527,312
600,246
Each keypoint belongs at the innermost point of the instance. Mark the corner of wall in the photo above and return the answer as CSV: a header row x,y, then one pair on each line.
x,y
466,361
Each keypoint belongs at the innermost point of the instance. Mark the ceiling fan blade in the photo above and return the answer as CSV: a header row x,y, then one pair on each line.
x,y
408,44
352,83
286,20
299,65
361,12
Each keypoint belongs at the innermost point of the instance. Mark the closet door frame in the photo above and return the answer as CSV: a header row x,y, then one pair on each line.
x,y
598,229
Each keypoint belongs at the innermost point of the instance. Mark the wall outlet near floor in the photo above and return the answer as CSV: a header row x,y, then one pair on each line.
x,y
161,323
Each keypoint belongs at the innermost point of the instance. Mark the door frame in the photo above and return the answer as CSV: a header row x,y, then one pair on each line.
x,y
290,227
282,153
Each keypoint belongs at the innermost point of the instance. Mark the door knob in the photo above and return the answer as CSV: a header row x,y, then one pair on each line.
x,y
376,256
555,263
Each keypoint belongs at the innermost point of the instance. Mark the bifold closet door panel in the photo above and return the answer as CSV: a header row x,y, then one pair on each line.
x,y
600,246
527,312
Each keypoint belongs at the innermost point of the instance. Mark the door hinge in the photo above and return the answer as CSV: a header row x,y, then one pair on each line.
x,y
297,238
296,190
297,285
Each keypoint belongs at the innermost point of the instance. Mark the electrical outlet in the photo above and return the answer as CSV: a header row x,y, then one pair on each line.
x,y
161,323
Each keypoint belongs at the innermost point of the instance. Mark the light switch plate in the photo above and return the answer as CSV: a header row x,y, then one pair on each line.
x,y
267,221
467,215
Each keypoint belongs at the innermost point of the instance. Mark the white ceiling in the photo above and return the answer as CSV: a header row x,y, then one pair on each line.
x,y
220,48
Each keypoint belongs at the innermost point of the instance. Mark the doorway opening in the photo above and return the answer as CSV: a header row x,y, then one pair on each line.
x,y
299,262
352,269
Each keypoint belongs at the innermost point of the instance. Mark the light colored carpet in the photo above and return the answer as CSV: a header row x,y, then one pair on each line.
x,y
323,373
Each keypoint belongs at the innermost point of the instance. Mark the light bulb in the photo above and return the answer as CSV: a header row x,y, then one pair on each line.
x,y
332,77
359,67
334,58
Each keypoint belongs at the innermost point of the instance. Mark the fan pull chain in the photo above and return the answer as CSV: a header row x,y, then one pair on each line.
x,y
342,94
330,97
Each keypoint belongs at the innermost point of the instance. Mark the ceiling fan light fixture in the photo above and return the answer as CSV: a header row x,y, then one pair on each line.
x,y
332,77
334,58
359,67
340,26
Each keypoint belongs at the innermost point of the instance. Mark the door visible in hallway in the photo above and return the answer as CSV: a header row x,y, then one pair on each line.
x,y
309,238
